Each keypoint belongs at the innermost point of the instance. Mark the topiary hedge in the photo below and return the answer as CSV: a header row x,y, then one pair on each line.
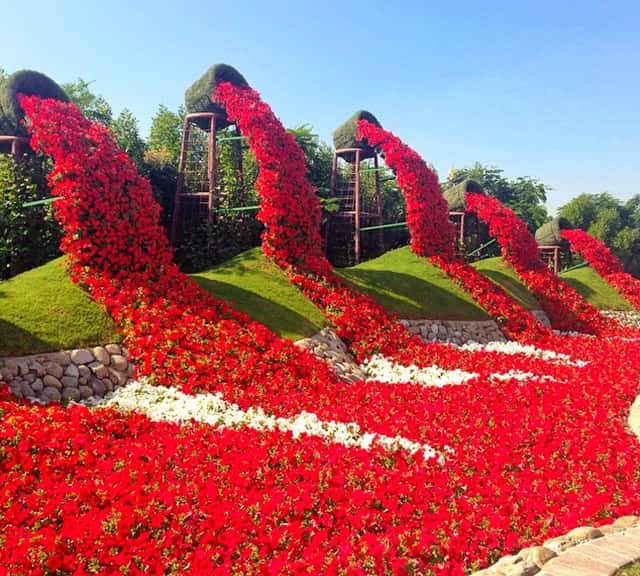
x,y
344,136
549,233
26,82
198,96
456,195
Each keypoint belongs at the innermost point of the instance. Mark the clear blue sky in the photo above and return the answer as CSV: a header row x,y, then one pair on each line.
x,y
543,89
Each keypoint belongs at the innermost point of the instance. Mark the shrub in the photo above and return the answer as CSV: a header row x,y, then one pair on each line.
x,y
29,236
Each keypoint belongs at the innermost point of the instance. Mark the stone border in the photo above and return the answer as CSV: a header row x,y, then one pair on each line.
x,y
585,551
455,331
68,375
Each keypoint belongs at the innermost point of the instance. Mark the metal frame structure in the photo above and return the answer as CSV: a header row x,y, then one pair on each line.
x,y
210,122
351,211
460,221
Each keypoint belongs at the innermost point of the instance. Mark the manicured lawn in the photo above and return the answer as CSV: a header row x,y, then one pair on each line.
x,y
591,285
632,570
259,288
497,270
412,288
42,310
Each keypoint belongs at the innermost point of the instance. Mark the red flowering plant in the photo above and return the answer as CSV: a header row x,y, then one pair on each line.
x,y
567,310
604,262
87,492
432,234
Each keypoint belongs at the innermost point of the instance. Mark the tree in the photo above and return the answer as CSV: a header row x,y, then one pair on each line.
x,y
164,136
94,107
125,129
524,195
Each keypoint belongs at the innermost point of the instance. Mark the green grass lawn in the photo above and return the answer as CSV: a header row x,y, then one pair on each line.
x,y
256,286
497,270
590,284
631,570
42,310
412,288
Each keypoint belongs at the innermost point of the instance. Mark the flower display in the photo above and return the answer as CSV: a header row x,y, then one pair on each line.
x,y
567,310
605,263
236,452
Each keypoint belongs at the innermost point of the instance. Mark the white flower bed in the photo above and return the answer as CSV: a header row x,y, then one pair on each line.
x,y
512,347
382,369
160,403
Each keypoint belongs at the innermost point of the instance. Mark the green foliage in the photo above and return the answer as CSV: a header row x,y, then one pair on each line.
x,y
198,95
524,195
28,236
95,108
549,233
344,136
616,223
125,129
456,195
163,145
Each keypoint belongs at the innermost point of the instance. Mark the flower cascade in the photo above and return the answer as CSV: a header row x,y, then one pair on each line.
x,y
432,234
567,310
605,263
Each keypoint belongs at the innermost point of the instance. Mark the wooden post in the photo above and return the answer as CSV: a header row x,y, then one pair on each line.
x,y
356,233
211,169
378,204
556,255
180,183
15,148
462,217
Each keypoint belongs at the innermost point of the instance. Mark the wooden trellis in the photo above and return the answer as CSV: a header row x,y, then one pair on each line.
x,y
358,206
197,194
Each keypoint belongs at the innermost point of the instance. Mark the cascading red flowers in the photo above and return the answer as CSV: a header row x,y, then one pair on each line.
x,y
604,262
567,310
88,492
432,234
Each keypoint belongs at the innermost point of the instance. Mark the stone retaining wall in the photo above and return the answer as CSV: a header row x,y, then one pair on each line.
x,y
455,331
68,375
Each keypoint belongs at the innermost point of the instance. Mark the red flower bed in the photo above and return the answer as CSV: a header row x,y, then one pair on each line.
x,y
604,262
566,309
98,492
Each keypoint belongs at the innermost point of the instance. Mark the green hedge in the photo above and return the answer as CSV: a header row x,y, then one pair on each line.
x,y
344,135
29,83
456,196
198,96
549,233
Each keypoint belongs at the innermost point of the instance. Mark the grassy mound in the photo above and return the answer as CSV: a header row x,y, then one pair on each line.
x,y
42,310
590,284
258,287
412,288
498,271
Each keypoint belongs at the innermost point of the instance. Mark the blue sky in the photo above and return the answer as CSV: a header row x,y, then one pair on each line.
x,y
543,89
